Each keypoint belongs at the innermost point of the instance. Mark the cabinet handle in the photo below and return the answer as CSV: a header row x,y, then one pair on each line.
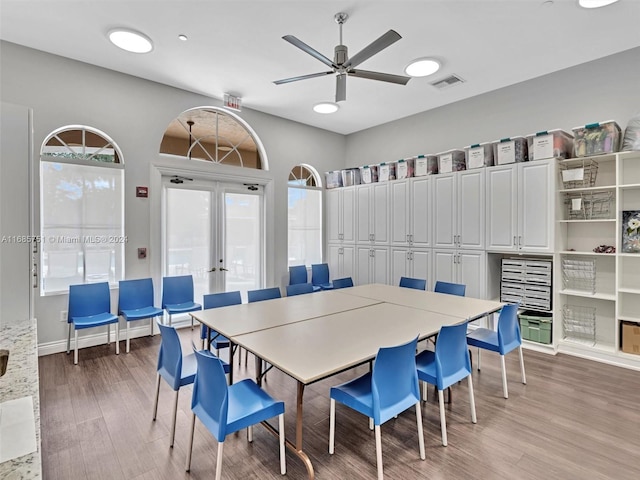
x,y
515,241
411,238
520,242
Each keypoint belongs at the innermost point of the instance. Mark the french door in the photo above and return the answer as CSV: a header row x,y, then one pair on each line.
x,y
213,231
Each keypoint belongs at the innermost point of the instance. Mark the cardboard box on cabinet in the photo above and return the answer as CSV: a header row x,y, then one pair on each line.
x,y
630,337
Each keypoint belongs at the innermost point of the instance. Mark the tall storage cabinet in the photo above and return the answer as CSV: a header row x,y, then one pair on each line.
x,y
372,215
410,212
410,262
461,266
372,264
340,205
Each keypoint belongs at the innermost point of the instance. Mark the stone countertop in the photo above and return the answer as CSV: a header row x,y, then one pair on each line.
x,y
21,380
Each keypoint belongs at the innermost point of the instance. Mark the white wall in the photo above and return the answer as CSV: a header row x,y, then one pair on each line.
x,y
135,113
604,89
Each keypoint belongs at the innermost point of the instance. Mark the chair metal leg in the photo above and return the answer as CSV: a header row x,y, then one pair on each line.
x,y
425,391
379,453
504,377
478,359
155,403
151,322
69,339
443,421
173,423
219,461
332,426
420,430
192,323
190,450
370,423
118,338
109,334
283,459
75,349
472,402
169,319
250,433
524,378
127,334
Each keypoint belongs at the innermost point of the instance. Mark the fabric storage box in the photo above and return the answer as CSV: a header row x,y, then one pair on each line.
x,y
479,155
425,165
549,144
510,150
451,161
386,172
350,176
333,179
369,174
535,326
405,168
630,333
596,139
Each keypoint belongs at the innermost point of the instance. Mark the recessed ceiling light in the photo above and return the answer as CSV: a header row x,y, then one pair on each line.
x,y
326,107
130,40
595,3
183,37
422,67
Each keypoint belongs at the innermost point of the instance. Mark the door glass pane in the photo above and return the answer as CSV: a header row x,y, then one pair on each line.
x,y
188,237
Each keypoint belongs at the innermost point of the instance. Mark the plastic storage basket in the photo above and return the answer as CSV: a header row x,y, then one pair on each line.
x,y
350,176
535,326
479,155
425,165
333,179
596,139
510,150
549,144
405,168
451,161
369,174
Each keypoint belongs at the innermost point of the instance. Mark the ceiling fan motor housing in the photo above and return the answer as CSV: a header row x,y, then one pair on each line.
x,y
341,55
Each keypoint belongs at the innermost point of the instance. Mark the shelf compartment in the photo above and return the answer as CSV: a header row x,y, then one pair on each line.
x,y
579,323
629,272
581,236
629,169
579,175
594,205
579,274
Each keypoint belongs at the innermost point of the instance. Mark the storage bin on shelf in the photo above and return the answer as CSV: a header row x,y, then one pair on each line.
x,y
588,205
386,172
549,144
510,150
405,168
479,155
425,165
630,341
350,176
451,161
369,174
579,175
579,324
536,326
579,274
596,139
333,179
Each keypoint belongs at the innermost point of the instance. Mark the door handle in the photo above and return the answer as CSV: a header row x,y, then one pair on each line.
x,y
222,269
35,275
212,270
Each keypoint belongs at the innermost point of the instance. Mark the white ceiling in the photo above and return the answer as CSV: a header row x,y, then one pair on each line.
x,y
236,46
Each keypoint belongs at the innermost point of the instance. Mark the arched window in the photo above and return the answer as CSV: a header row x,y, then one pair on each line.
x,y
81,209
305,216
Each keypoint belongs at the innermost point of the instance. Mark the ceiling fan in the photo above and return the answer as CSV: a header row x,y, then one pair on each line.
x,y
343,65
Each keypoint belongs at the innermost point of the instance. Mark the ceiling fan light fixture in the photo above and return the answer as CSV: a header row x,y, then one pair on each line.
x,y
130,40
595,3
422,67
326,107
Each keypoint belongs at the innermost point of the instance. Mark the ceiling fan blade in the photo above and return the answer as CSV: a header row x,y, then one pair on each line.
x,y
374,47
341,87
383,77
311,51
301,77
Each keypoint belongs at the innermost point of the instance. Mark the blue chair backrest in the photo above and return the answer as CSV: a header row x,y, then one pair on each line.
x,y
210,393
177,290
297,274
452,353
508,328
170,355
417,283
299,289
223,299
133,294
394,380
263,294
88,299
342,283
450,288
320,274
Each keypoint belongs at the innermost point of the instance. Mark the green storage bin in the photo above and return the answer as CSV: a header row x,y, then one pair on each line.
x,y
535,326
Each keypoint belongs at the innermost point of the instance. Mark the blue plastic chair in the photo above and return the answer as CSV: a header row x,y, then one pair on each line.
x,y
135,302
217,300
90,306
263,294
177,296
298,274
299,289
417,283
226,409
177,370
390,389
504,340
450,288
320,276
342,283
449,364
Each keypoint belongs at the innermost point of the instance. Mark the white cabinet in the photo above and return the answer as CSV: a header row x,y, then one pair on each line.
x,y
340,207
372,264
341,260
410,262
458,210
372,217
520,206
461,266
410,212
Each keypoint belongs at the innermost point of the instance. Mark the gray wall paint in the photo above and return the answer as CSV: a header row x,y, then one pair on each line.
x,y
601,90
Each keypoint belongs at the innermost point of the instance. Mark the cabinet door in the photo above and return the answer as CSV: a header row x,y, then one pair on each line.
x,y
334,214
421,266
444,268
444,210
334,259
380,265
363,264
400,212
536,190
471,272
471,209
400,264
420,207
501,207
380,213
347,264
363,213
348,209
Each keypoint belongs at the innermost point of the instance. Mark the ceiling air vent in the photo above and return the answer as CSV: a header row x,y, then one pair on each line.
x,y
447,82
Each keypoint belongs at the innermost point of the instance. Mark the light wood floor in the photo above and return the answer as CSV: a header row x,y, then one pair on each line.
x,y
575,419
